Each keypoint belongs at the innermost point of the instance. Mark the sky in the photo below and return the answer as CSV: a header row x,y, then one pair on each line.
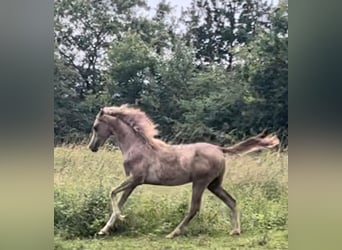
x,y
177,3
184,3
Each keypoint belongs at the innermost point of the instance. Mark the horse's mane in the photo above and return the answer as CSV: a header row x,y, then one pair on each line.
x,y
140,123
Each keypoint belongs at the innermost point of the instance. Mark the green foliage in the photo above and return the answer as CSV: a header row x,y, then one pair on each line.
x,y
266,68
159,31
210,112
222,79
84,31
215,27
69,122
73,115
168,87
129,59
79,214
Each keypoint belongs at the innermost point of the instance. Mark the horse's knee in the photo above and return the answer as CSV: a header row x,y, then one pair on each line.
x,y
112,194
233,202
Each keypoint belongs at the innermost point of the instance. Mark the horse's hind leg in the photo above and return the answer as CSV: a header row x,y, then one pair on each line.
x,y
216,188
197,192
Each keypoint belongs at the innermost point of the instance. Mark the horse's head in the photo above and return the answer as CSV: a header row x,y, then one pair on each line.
x,y
101,132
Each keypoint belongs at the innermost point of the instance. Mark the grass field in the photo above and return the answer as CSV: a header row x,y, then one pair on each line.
x,y
83,181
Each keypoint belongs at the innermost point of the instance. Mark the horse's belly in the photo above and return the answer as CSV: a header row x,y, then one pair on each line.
x,y
167,180
175,182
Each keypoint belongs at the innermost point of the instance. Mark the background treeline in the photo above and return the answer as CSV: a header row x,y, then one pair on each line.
x,y
217,73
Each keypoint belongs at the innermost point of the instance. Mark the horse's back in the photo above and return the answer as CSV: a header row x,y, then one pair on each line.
x,y
200,148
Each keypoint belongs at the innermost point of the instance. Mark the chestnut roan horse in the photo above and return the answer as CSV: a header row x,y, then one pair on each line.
x,y
148,160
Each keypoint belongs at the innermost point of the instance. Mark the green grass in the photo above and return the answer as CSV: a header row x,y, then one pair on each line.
x,y
83,181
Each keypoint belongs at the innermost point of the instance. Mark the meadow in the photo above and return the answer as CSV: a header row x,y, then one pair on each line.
x,y
83,181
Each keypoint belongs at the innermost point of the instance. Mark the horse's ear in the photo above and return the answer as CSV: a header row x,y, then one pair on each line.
x,y
101,111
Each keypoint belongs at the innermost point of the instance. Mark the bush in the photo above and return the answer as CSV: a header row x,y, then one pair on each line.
x,y
79,215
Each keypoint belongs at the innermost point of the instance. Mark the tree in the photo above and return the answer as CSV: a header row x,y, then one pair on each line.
x,y
159,32
84,31
215,27
167,87
107,54
67,121
73,117
266,69
213,111
129,61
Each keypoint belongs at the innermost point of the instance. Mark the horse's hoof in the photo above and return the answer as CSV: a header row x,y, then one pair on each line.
x,y
122,217
169,236
173,234
235,232
101,234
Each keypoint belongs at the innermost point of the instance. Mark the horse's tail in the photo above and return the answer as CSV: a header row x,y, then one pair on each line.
x,y
252,144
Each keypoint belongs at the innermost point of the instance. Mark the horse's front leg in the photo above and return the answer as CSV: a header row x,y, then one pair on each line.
x,y
127,186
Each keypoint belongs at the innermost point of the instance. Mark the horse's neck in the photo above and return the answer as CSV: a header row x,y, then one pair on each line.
x,y
126,137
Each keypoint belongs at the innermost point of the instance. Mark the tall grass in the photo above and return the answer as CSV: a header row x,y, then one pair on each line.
x,y
83,181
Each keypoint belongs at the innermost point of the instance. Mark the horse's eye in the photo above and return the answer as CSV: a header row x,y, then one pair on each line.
x,y
95,128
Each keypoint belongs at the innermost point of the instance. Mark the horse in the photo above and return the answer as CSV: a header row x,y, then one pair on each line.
x,y
149,160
